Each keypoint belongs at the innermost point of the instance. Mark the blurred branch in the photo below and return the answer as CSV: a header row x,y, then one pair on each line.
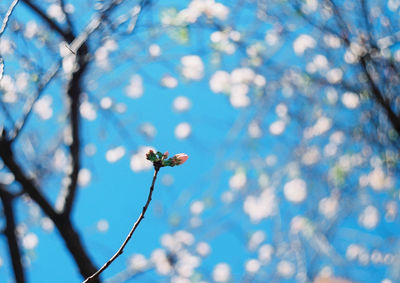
x,y
52,24
365,61
3,28
67,16
345,35
10,232
63,224
74,91
141,217
6,112
93,25
379,96
115,121
27,183
28,107
79,48
7,16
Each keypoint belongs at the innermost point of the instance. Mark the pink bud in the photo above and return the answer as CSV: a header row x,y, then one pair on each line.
x,y
181,158
165,155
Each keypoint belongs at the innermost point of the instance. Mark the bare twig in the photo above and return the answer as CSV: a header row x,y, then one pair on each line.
x,y
141,216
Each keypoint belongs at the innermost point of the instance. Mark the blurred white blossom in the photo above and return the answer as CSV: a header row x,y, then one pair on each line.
x,y
169,81
192,67
295,190
302,43
138,160
135,87
183,130
88,111
369,217
181,104
286,269
115,154
84,177
43,108
221,272
30,241
261,206
277,127
350,100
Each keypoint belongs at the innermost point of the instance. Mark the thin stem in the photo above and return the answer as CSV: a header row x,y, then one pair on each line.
x,y
140,218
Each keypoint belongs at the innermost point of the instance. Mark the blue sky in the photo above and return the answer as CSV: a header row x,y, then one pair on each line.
x,y
261,198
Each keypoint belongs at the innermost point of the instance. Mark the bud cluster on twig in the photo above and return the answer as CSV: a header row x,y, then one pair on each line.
x,y
159,159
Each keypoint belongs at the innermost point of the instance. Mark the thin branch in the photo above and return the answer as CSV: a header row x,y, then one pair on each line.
x,y
121,249
3,28
10,232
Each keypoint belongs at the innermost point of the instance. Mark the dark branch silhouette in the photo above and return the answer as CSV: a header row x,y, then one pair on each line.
x,y
11,234
62,222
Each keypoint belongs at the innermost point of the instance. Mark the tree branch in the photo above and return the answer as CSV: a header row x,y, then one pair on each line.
x,y
79,46
378,96
28,107
63,223
74,93
10,232
7,16
141,216
68,36
75,246
67,16
3,28
27,183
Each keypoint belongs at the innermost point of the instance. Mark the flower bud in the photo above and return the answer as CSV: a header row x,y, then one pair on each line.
x,y
151,156
165,155
180,158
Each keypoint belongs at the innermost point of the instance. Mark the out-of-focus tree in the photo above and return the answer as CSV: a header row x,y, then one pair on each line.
x,y
295,164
